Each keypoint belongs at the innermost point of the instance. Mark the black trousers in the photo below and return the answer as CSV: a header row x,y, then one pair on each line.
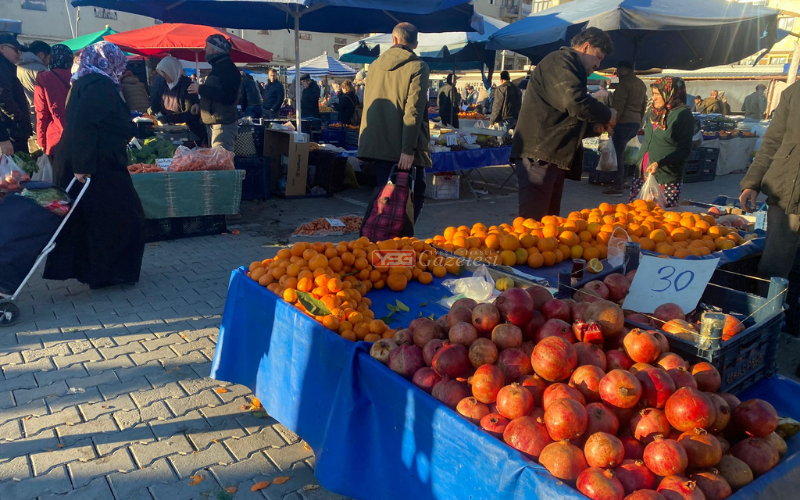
x,y
383,169
781,246
540,188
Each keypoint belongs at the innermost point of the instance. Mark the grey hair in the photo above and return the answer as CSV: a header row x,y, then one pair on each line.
x,y
406,33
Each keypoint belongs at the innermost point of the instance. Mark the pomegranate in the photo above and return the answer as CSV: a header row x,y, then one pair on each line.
x,y
578,310
634,449
618,286
450,392
586,379
459,314
485,317
669,360
462,333
702,448
430,350
707,377
641,346
451,360
723,412
514,363
662,340
724,444
599,484
486,383
678,488
603,450
634,475
528,435
563,460
592,292
530,328
406,360
506,336
554,359
665,457
514,401
527,347
688,409
649,423
464,301
618,360
555,328
515,306
630,275
425,330
380,350
565,419
645,494
495,424
591,354
657,386
404,336
712,484
558,391
557,309
540,296
442,322
736,472
682,377
620,388
669,311
756,417
425,378
733,401
472,409
637,318
757,453
778,442
681,329
608,316
732,327
624,415
593,334
482,352
536,386
601,419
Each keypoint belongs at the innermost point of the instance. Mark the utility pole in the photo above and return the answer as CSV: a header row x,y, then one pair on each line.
x,y
69,18
793,67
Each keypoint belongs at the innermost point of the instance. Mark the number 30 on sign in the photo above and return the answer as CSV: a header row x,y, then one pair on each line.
x,y
659,281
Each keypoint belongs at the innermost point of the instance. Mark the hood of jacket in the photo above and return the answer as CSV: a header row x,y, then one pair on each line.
x,y
29,60
395,58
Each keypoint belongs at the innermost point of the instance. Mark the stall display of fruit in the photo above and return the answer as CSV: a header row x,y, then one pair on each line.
x,y
472,115
144,168
611,412
339,126
12,180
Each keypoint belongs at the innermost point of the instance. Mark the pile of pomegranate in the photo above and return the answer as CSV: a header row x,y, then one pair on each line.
x,y
608,410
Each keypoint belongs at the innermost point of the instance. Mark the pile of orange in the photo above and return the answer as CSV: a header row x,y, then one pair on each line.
x,y
340,275
586,234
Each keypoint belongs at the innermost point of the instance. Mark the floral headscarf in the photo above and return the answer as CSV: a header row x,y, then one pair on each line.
x,y
60,56
673,90
102,58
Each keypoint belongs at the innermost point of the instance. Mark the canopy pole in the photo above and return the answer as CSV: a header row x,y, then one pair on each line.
x,y
197,65
297,92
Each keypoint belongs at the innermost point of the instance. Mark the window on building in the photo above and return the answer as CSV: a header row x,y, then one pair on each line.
x,y
540,5
305,36
786,23
337,46
340,41
778,60
105,13
264,32
34,4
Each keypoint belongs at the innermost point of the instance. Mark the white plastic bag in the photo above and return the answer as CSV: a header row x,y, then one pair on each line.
x,y
45,173
616,247
651,191
608,158
11,175
479,287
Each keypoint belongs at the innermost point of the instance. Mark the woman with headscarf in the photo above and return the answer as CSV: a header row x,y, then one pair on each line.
x,y
667,140
103,241
50,99
177,104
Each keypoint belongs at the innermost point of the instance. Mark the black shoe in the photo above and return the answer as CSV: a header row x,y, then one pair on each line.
x,y
613,192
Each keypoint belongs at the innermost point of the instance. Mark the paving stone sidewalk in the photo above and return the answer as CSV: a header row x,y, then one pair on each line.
x,y
105,394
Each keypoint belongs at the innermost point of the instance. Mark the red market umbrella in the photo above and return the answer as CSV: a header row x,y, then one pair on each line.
x,y
185,41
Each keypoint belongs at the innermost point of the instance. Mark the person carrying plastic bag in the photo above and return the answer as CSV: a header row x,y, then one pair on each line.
x,y
667,141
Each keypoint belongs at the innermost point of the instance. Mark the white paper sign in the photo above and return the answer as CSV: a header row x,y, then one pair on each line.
x,y
452,140
335,222
163,163
659,281
471,139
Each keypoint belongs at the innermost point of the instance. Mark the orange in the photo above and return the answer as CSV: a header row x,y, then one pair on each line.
x,y
576,252
604,237
585,236
387,245
603,250
591,253
681,253
635,230
594,266
361,330
527,240
349,335
377,326
425,278
290,296
664,249
569,238
330,322
679,234
266,279
460,242
492,241
277,272
507,258
550,230
335,285
256,274
559,256
452,266
509,242
318,261
549,258
254,265
545,245
646,243
522,256
438,271
449,232
335,264
565,250
658,235
305,284
372,337
535,260
355,317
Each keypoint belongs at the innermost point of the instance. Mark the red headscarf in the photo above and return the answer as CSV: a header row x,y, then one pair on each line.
x,y
673,90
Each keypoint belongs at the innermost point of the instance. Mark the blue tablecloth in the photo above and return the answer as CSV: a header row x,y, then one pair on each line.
x,y
375,435
452,161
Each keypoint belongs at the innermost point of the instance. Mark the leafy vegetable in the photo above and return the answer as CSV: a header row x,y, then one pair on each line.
x,y
153,149
312,305
26,162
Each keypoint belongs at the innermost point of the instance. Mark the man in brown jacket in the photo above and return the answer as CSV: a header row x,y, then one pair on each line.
x,y
774,172
394,127
630,101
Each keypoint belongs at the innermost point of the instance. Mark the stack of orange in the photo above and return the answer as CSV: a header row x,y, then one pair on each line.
x,y
340,275
586,234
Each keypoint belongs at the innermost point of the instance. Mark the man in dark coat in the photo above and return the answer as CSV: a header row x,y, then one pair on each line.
x,y
15,118
273,96
630,101
557,113
449,102
309,100
507,103
252,95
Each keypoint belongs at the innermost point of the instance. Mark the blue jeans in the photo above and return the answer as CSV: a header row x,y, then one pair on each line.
x,y
623,133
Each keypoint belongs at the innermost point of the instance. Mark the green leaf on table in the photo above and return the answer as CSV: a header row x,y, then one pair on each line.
x,y
431,317
259,414
387,319
392,308
350,274
420,314
402,307
313,305
423,304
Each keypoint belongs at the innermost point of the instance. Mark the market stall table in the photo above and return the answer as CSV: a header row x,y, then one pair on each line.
x,y
734,153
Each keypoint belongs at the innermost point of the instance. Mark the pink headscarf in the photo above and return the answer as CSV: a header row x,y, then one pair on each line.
x,y
102,58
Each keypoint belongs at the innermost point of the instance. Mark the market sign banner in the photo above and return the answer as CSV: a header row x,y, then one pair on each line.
x,y
34,4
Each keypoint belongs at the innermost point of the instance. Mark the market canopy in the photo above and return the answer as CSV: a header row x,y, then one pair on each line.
x,y
185,41
684,34
79,43
322,66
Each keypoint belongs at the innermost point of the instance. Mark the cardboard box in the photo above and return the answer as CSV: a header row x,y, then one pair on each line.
x,y
279,143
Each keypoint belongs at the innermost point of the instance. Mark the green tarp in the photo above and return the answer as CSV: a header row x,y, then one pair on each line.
x,y
189,194
80,42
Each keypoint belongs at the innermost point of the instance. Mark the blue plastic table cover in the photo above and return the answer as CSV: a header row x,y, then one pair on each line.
x,y
374,434
452,161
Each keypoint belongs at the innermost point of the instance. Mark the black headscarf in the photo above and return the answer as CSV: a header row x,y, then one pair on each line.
x,y
60,56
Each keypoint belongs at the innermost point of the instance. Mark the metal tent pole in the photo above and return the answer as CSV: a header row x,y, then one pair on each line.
x,y
297,92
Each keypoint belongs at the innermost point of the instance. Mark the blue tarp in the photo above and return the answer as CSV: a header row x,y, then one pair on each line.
x,y
374,434
472,158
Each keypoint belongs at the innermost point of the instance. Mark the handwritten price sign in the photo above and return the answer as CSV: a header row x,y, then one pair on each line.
x,y
659,281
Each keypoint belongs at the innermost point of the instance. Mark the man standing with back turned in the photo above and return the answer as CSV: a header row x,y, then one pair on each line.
x,y
507,103
755,105
557,113
394,128
630,102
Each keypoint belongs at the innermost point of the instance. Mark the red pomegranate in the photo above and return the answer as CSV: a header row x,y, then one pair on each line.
x,y
406,360
726,446
775,440
586,379
536,386
563,460
486,383
472,409
599,484
527,347
624,415
634,475
485,317
442,322
620,388
554,359
483,352
682,377
462,333
514,363
424,330
528,435
688,409
678,488
451,360
665,457
733,401
601,419
649,423
464,301
530,328
495,424
591,354
707,377
565,419
723,412
657,386
425,378
514,401
634,449
645,494
618,360
639,319
506,336
669,311
713,486
450,392
618,286
669,360
592,292
558,391
630,275
702,448
641,346
515,306
540,296
603,450
429,351
459,314
557,309
756,417
736,473
578,310
404,336
662,340
555,328
608,316
757,453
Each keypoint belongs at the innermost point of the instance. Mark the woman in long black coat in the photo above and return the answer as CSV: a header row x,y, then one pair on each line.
x,y
103,242
348,101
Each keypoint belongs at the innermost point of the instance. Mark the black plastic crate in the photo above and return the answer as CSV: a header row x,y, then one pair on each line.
x,y
329,171
183,227
257,177
333,136
701,165
590,161
351,139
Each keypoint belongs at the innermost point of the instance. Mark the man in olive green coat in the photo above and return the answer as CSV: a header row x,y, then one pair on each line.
x,y
394,126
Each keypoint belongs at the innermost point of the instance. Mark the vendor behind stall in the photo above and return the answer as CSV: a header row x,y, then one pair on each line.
x,y
177,105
